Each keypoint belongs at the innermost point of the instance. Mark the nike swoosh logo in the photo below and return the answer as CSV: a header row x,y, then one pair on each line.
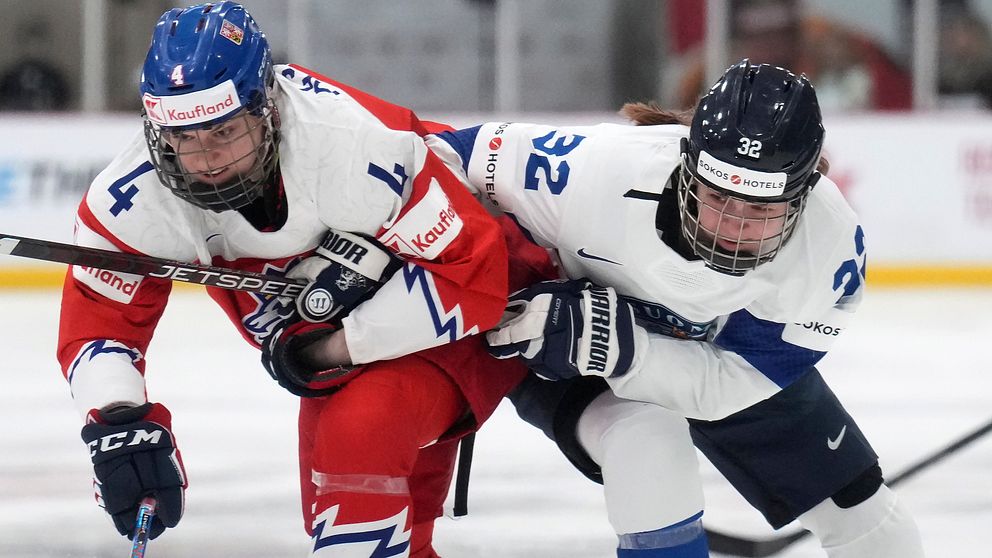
x,y
582,252
211,237
835,443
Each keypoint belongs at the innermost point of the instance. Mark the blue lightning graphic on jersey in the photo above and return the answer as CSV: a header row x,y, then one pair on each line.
x,y
269,310
102,347
383,536
414,274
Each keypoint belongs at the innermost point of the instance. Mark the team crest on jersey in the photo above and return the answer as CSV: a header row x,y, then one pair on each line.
x,y
269,310
659,319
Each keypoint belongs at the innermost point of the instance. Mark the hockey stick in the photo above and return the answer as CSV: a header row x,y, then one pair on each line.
x,y
753,548
149,266
142,527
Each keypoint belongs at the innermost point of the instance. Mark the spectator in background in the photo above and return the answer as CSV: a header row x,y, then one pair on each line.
x,y
33,83
849,70
965,56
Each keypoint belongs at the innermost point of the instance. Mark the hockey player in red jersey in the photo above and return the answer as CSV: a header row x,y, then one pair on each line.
x,y
265,168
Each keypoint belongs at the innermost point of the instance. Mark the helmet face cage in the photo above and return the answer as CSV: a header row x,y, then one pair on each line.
x,y
210,125
248,150
748,165
731,234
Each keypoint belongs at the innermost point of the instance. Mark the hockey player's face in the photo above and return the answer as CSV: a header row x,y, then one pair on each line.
x,y
738,226
219,154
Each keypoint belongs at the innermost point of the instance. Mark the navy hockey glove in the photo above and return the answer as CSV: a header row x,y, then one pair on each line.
x,y
563,329
346,270
282,359
134,455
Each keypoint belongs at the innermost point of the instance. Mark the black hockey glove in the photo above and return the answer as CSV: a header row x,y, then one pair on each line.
x,y
134,455
282,359
346,270
563,329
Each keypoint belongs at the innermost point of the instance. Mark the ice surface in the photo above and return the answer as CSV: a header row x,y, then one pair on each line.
x,y
913,370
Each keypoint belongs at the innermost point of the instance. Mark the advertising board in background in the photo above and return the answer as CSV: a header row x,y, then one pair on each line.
x,y
921,184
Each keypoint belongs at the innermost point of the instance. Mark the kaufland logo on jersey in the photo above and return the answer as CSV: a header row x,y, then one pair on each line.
x,y
739,179
445,218
427,228
115,286
192,108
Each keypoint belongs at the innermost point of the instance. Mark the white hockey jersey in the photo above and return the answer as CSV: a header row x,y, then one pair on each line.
x,y
348,161
718,343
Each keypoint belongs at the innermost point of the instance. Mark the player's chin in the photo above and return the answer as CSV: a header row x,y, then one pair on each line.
x,y
214,179
729,246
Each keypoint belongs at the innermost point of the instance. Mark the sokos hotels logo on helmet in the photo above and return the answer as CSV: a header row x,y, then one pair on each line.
x,y
739,179
192,108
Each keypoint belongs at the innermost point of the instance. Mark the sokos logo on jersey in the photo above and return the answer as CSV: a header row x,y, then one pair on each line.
x,y
492,160
817,335
821,328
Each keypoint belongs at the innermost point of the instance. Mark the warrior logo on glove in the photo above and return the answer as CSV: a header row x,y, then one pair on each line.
x,y
346,269
563,329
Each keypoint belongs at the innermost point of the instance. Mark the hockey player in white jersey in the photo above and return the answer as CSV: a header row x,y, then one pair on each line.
x,y
711,266
268,168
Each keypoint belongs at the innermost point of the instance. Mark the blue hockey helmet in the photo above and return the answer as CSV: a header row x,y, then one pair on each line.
x,y
210,67
749,165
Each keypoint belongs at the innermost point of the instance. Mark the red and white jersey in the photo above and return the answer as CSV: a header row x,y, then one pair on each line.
x,y
349,162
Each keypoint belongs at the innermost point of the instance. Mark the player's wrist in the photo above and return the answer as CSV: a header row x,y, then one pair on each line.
x,y
327,352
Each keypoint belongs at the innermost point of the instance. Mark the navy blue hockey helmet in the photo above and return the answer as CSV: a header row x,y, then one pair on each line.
x,y
207,67
752,152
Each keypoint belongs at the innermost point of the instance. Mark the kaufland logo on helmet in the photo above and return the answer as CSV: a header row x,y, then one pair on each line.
x,y
152,108
739,179
201,110
192,108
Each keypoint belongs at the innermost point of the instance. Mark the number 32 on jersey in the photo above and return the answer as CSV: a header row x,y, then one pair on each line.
x,y
539,164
